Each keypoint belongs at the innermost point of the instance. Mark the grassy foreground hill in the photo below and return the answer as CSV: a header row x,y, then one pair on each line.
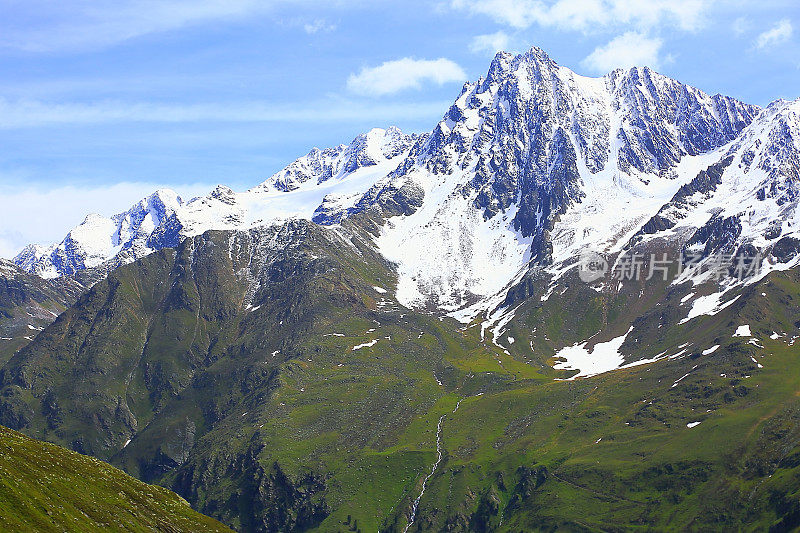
x,y
44,487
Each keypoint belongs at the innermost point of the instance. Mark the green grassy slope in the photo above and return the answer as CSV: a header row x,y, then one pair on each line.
x,y
616,452
263,377
233,366
46,488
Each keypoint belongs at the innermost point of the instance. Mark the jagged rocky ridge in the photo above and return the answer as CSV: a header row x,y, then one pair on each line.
x,y
97,240
333,177
531,164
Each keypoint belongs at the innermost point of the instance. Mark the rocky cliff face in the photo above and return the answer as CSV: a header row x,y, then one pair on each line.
x,y
748,199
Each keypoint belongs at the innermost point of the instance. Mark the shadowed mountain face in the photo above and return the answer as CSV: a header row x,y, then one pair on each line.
x,y
399,335
175,313
192,367
28,304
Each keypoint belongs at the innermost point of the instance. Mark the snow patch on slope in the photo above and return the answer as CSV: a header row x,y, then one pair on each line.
x,y
617,204
447,252
708,305
603,357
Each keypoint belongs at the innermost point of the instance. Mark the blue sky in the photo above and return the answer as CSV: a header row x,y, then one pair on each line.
x,y
102,102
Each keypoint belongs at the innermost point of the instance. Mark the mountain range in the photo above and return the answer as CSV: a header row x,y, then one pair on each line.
x,y
398,334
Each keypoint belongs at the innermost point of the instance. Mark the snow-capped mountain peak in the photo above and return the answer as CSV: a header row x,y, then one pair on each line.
x,y
747,199
319,184
530,165
99,239
367,149
551,162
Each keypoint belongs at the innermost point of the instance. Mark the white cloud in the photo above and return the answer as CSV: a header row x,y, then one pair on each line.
x,y
490,43
587,15
627,50
44,214
407,73
16,114
318,25
778,34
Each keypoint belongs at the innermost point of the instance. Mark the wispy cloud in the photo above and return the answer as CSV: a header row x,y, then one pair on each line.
x,y
627,50
34,113
588,15
490,43
318,26
778,34
401,74
86,24
78,25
